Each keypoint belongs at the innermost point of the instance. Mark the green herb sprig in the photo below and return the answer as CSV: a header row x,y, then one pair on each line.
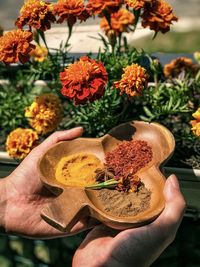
x,y
107,184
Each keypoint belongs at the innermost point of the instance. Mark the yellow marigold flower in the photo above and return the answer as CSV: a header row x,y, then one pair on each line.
x,y
178,65
40,53
158,16
37,14
20,142
196,115
45,113
97,7
119,21
196,127
135,4
133,81
71,10
15,46
196,123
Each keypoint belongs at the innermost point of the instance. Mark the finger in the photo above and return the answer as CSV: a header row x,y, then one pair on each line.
x,y
171,217
100,232
60,136
84,224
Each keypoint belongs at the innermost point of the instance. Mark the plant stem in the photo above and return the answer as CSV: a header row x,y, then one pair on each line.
x,y
107,184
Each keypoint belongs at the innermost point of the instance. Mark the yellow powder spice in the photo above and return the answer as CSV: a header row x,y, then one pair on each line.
x,y
77,169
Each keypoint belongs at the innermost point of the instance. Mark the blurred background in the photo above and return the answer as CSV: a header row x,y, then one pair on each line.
x,y
184,36
185,250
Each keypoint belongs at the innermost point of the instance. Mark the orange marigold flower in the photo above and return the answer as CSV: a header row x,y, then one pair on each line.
x,y
45,113
158,16
20,142
133,81
97,7
135,4
119,21
178,65
71,10
84,80
15,46
39,54
37,14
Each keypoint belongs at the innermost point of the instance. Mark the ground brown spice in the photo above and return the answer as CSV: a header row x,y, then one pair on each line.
x,y
123,204
129,157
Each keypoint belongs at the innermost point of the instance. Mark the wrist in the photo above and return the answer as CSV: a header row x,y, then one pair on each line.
x,y
3,201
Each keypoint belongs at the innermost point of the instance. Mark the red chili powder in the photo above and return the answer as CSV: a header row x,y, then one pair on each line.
x,y
129,157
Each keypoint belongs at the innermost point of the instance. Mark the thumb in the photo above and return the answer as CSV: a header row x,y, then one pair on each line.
x,y
175,205
59,136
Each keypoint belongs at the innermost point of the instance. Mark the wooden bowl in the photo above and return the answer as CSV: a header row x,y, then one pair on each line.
x,y
74,203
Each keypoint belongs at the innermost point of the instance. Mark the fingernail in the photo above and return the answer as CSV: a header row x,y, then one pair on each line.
x,y
174,181
77,128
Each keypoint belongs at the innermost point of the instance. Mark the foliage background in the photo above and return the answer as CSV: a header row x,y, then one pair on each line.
x,y
19,252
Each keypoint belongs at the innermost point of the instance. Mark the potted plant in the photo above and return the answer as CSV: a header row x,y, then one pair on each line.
x,y
99,91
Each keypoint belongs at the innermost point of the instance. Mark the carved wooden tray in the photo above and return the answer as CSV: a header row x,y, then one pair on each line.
x,y
74,203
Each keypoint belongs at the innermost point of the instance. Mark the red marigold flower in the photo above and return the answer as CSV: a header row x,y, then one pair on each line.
x,y
119,21
96,7
135,4
84,80
15,46
20,142
178,65
37,14
158,15
71,10
133,81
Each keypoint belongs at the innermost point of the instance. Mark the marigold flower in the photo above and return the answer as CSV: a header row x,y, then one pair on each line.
x,y
45,113
97,7
20,142
178,65
158,16
71,10
196,127
196,123
37,14
135,4
84,80
119,21
15,46
133,81
39,54
196,114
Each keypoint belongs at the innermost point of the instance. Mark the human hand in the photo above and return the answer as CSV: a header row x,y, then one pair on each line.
x,y
104,247
22,195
